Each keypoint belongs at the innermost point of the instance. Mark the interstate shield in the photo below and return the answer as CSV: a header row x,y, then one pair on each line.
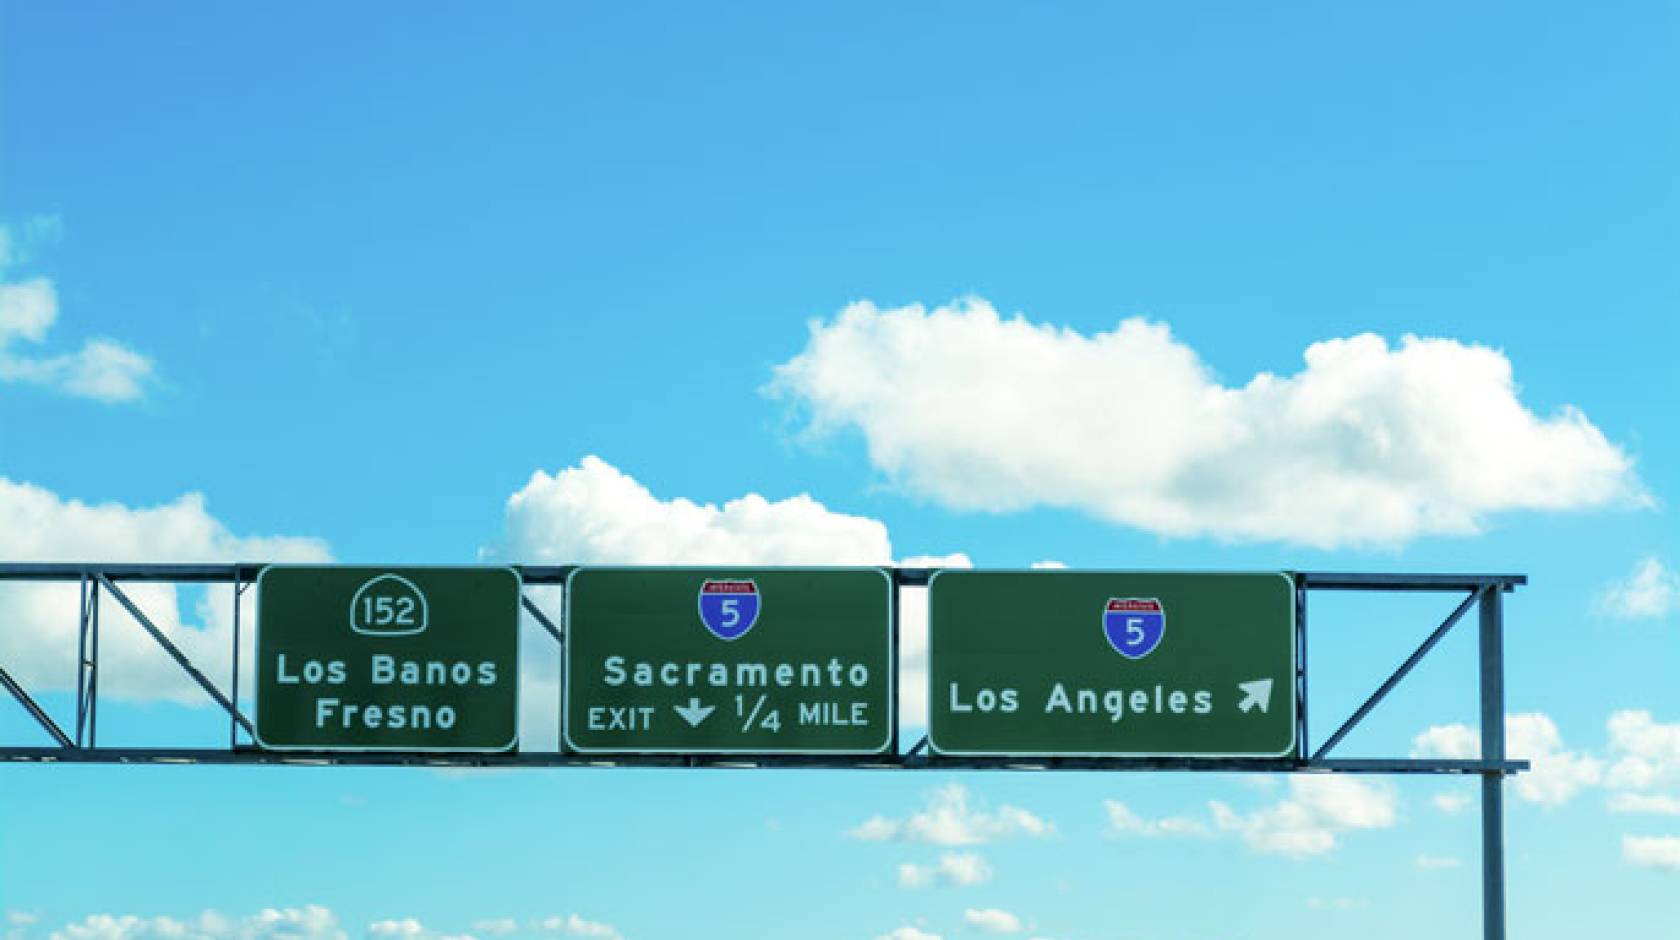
x,y
729,608
1134,625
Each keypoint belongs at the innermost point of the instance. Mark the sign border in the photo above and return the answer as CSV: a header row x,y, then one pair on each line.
x,y
566,743
1294,657
256,646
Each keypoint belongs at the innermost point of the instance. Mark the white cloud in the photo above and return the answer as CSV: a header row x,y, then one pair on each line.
x,y
22,918
409,928
1451,803
1652,804
953,560
594,512
908,932
1449,742
1367,445
574,926
1652,851
1646,753
304,923
1432,862
961,869
1651,591
20,242
913,656
102,369
1317,809
1556,774
992,920
496,926
1121,820
1049,564
948,819
39,644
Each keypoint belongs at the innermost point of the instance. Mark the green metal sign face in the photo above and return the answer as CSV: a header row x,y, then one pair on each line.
x,y
729,661
1050,663
387,659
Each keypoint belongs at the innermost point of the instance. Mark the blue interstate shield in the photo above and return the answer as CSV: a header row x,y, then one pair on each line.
x,y
1134,625
729,608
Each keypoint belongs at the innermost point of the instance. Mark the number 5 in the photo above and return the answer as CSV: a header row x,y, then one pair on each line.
x,y
731,612
1134,631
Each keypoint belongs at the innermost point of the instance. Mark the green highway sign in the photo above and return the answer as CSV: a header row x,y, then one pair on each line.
x,y
1111,664
387,659
729,661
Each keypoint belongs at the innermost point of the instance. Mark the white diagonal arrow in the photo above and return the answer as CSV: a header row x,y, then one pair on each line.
x,y
1258,692
694,712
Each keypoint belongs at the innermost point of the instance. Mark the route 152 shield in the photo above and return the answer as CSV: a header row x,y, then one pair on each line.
x,y
1134,625
728,608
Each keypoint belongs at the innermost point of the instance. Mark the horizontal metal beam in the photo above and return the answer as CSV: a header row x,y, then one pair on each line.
x,y
76,571
106,755
556,574
1356,581
244,572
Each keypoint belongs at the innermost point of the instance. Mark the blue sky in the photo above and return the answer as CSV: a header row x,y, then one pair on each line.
x,y
381,285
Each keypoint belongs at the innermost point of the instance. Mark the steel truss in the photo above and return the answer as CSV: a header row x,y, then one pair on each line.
x,y
1484,592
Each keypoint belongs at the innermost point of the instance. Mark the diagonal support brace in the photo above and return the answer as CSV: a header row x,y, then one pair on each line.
x,y
1401,673
176,654
542,618
35,711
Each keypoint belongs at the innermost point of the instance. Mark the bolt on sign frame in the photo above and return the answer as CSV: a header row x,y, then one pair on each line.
x,y
96,581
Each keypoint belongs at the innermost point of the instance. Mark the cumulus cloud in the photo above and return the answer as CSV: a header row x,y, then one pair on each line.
x,y
1650,592
311,922
992,920
1644,767
17,923
1122,821
594,512
1451,803
573,925
1368,444
39,644
496,926
1649,804
103,369
1556,774
908,932
1646,752
1652,851
397,927
950,818
1317,809
959,869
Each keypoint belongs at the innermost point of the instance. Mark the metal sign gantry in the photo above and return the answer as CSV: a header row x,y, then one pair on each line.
x,y
1484,592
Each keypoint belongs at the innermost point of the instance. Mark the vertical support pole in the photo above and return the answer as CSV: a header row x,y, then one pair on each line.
x,y
1303,748
1493,749
233,722
93,667
81,659
894,691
